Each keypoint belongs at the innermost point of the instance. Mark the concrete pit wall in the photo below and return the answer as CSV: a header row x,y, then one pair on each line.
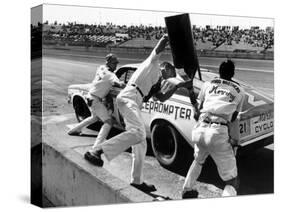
x,y
69,180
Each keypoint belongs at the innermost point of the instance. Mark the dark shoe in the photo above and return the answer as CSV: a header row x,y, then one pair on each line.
x,y
94,158
144,187
73,133
190,194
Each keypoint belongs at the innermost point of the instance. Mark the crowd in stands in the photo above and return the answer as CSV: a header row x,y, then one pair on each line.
x,y
111,34
99,34
225,34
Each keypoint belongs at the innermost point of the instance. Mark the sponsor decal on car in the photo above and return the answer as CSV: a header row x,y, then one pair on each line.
x,y
168,109
257,125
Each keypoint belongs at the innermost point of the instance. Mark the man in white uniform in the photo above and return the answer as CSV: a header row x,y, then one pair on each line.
x,y
220,102
129,102
101,85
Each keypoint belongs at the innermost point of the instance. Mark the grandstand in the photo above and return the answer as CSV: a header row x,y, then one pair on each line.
x,y
240,46
220,38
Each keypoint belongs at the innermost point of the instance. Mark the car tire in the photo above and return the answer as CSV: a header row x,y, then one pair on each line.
x,y
81,109
168,146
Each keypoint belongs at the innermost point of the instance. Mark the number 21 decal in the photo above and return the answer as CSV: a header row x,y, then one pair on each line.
x,y
243,127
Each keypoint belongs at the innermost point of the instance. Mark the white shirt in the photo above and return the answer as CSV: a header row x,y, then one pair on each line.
x,y
103,82
147,74
221,97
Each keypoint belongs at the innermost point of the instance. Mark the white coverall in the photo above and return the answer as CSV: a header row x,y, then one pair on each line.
x,y
101,85
129,102
221,98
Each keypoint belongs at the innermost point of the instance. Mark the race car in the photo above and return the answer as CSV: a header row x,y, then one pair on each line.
x,y
169,124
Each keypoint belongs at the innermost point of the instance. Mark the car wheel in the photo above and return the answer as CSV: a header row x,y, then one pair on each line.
x,y
81,109
168,146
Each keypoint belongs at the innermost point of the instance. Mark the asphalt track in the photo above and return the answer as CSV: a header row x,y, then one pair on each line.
x,y
61,69
258,73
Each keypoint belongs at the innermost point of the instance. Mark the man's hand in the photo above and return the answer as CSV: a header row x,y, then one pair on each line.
x,y
120,84
165,37
166,89
233,142
167,85
175,82
162,44
188,84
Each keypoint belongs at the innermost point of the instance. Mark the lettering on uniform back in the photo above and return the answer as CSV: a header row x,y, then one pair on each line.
x,y
216,89
225,82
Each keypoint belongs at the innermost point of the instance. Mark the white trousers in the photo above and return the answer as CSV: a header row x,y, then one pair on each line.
x,y
211,139
86,122
129,102
98,110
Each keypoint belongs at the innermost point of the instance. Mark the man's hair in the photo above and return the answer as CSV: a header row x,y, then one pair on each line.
x,y
167,70
226,69
111,58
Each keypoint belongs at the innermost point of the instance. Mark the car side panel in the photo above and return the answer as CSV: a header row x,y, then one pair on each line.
x,y
177,110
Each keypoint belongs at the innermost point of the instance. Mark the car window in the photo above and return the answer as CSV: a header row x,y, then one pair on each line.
x,y
129,75
122,77
125,73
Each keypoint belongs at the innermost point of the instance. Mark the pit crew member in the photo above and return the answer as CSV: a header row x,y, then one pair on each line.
x,y
220,100
101,85
129,103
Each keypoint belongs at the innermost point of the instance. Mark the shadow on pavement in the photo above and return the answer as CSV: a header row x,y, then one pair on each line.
x,y
256,172
255,169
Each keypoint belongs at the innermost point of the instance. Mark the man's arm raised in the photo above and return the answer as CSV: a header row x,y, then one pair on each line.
x,y
161,44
